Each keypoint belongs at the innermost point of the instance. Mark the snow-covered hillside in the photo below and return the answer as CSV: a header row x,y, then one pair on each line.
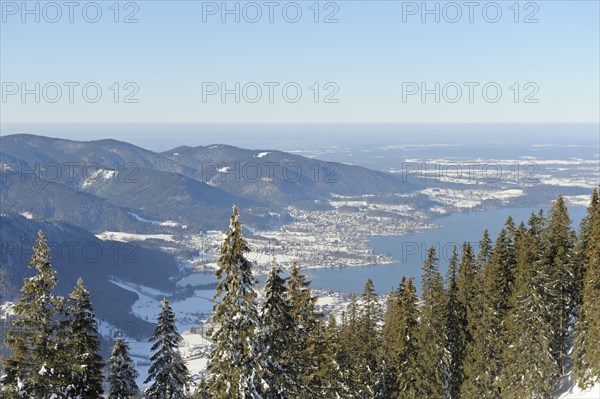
x,y
569,390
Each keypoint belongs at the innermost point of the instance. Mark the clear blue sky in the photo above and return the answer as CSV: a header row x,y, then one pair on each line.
x,y
369,53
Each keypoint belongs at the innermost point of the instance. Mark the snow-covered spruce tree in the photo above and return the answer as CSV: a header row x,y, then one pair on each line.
x,y
529,369
406,355
305,350
470,296
122,372
468,292
559,242
390,340
398,339
581,248
328,382
455,326
587,334
432,353
348,347
235,371
35,368
83,346
483,364
359,367
468,283
368,335
168,372
276,335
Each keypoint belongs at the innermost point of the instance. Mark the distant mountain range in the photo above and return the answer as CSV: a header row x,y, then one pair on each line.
x,y
98,185
73,190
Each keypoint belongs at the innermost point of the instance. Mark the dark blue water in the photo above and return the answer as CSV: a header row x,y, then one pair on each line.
x,y
410,250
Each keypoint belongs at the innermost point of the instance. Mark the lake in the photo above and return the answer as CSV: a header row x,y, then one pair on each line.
x,y
411,250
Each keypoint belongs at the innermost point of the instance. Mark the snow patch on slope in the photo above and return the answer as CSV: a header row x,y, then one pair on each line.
x,y
27,215
127,237
167,223
97,175
141,219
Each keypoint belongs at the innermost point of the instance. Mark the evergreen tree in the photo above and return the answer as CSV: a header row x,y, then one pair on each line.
x,y
367,335
390,340
168,373
202,390
455,328
585,239
35,368
83,345
358,349
511,230
348,347
587,335
327,376
468,295
121,372
305,350
406,354
235,372
529,371
277,334
483,364
559,240
486,248
432,352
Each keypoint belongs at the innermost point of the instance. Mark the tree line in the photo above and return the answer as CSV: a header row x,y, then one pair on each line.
x,y
509,319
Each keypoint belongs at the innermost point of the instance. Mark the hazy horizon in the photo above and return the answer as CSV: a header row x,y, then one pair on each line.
x,y
290,136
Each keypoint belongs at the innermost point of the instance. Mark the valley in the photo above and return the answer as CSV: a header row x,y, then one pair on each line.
x,y
166,208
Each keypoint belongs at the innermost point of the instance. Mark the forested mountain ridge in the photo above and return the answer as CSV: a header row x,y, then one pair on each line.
x,y
511,319
77,253
203,181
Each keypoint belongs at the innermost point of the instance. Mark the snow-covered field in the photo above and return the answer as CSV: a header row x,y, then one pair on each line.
x,y
127,237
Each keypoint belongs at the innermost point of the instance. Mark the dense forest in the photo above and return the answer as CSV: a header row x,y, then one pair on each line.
x,y
510,318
